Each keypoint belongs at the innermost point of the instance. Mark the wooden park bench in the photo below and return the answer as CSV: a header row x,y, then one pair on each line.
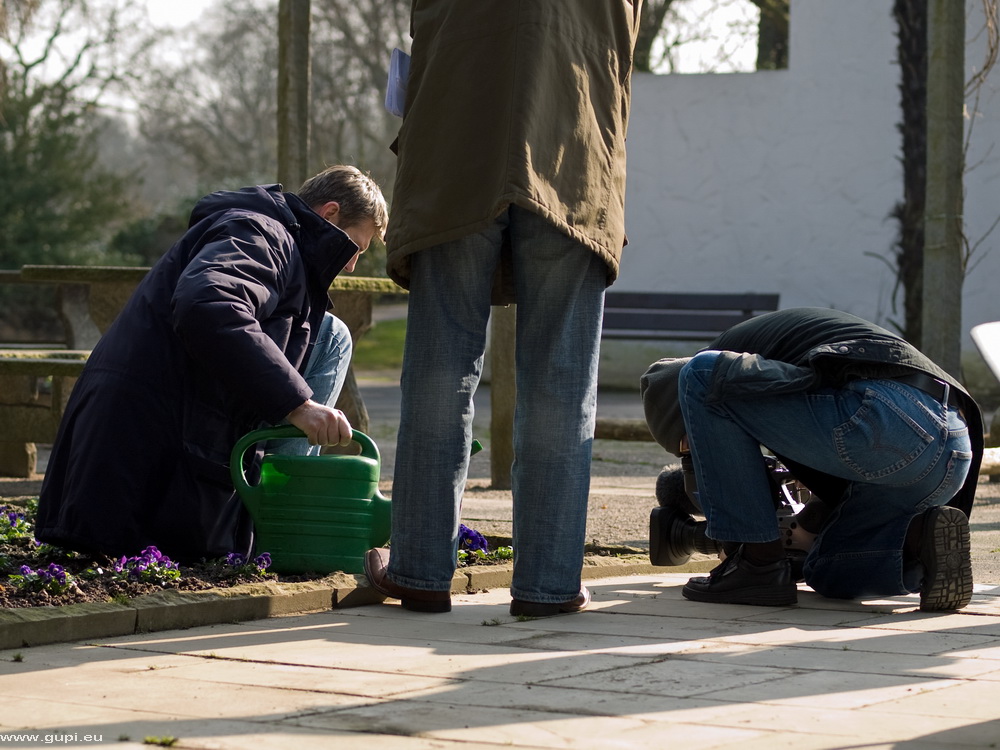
x,y
89,299
672,316
679,316
657,316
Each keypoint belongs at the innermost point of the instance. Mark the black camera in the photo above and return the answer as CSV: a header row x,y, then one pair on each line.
x,y
675,534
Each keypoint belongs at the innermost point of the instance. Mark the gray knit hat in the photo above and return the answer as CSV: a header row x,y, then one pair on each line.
x,y
661,403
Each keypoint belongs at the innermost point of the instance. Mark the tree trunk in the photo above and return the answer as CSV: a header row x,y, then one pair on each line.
x,y
772,34
650,25
943,250
503,394
911,20
294,74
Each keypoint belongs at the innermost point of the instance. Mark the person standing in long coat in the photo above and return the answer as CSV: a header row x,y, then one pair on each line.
x,y
510,186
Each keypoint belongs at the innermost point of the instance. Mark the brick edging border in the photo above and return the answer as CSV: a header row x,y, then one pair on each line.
x,y
171,610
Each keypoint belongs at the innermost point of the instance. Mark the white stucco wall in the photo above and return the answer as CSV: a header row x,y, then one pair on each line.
x,y
785,180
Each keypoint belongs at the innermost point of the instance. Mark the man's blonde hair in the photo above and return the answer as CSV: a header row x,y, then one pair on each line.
x,y
358,194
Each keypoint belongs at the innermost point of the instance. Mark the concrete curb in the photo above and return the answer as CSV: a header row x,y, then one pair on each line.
x,y
170,610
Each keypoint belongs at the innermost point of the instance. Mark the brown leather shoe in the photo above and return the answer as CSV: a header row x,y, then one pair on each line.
x,y
519,607
416,600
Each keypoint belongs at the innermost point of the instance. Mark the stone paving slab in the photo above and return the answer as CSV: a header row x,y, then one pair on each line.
x,y
34,626
643,668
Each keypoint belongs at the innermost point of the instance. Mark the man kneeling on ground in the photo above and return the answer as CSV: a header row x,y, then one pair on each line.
x,y
888,443
227,332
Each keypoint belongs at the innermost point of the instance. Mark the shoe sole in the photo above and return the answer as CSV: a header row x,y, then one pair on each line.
x,y
519,608
763,596
948,566
538,609
417,605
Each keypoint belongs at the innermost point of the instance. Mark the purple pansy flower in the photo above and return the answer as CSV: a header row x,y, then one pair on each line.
x,y
472,540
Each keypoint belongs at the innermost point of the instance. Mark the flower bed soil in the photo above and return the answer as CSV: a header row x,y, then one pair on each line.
x,y
92,578
104,588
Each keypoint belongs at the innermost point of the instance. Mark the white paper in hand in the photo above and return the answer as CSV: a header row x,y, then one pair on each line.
x,y
399,72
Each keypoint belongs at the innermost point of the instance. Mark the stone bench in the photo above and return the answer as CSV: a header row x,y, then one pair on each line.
x,y
89,299
34,387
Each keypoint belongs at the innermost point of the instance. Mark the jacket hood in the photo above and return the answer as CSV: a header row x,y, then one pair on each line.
x,y
325,248
661,403
268,200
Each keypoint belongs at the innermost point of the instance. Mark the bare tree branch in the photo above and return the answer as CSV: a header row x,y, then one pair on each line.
x,y
991,28
973,89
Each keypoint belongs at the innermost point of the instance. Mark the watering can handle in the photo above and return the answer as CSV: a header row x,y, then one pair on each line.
x,y
368,447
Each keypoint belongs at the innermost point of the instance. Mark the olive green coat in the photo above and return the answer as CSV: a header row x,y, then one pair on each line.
x,y
519,102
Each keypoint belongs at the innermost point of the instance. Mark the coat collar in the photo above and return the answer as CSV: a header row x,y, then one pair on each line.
x,y
325,248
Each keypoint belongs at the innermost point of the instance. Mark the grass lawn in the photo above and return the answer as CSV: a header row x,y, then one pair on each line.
x,y
382,347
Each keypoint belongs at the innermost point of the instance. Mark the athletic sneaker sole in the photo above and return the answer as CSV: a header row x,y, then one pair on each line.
x,y
946,554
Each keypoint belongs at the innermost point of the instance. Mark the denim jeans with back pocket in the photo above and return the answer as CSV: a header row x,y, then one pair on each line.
x,y
900,450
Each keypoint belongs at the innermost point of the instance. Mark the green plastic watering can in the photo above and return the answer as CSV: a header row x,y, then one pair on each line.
x,y
314,514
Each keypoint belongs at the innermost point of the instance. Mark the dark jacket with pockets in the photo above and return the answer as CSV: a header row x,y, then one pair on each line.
x,y
211,345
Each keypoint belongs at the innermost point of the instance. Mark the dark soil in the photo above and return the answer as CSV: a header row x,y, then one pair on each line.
x,y
93,575
95,581
103,587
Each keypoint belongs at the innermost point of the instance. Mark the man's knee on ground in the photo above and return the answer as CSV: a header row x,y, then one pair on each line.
x,y
851,575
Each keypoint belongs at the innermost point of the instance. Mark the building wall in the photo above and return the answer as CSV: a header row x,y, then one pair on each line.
x,y
785,180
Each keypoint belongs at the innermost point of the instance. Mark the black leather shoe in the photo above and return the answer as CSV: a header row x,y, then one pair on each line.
x,y
946,554
416,600
736,581
519,607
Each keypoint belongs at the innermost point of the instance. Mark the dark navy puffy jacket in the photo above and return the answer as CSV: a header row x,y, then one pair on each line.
x,y
210,345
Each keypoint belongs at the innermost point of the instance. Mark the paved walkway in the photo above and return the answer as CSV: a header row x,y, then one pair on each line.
x,y
623,478
642,669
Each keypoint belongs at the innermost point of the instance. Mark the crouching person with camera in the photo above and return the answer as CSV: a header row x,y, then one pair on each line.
x,y
888,444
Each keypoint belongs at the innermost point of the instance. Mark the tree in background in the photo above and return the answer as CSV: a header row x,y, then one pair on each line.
x,y
666,26
215,110
907,258
57,61
651,20
911,24
772,36
210,108
352,43
213,113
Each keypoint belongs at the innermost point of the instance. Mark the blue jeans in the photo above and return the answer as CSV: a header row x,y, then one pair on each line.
x,y
900,450
560,301
325,373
